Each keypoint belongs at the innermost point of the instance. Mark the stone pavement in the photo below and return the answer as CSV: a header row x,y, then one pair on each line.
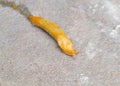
x,y
30,57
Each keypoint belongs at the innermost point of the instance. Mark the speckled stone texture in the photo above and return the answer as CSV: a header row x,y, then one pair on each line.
x,y
30,57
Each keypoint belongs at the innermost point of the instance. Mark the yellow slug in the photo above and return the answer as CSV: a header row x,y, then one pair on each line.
x,y
56,32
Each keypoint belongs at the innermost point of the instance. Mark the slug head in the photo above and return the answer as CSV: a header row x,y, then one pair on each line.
x,y
66,46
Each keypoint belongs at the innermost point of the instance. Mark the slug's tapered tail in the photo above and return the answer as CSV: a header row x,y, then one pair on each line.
x,y
55,31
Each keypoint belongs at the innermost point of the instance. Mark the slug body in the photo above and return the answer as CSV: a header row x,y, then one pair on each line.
x,y
56,32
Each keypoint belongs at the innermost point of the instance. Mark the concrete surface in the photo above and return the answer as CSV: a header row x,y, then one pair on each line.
x,y
30,57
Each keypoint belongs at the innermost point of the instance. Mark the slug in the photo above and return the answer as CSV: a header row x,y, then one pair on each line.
x,y
54,30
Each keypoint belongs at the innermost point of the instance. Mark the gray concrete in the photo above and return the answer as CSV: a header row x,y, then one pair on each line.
x,y
30,57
